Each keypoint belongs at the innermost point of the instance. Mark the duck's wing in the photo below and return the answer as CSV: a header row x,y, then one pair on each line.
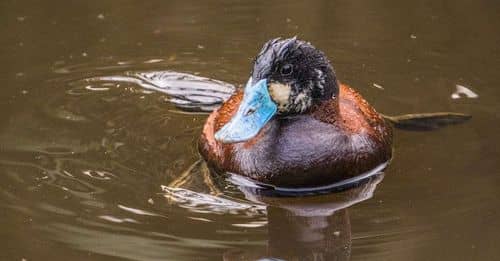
x,y
186,91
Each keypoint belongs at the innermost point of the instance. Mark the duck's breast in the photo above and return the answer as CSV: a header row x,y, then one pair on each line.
x,y
303,151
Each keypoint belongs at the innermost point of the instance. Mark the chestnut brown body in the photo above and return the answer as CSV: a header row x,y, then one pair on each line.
x,y
338,139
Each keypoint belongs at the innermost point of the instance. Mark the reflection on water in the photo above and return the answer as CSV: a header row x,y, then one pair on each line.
x,y
316,227
188,92
96,165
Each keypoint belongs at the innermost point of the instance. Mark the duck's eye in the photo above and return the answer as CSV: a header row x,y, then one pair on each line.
x,y
287,69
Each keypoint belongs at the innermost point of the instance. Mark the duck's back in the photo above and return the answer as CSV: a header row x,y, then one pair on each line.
x,y
334,142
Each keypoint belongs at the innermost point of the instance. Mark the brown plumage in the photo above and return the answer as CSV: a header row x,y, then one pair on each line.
x,y
335,139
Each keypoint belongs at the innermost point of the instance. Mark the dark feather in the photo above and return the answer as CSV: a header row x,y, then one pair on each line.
x,y
427,121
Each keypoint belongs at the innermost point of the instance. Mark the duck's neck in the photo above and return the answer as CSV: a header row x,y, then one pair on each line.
x,y
325,111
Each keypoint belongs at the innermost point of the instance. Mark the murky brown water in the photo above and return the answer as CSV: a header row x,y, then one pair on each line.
x,y
110,171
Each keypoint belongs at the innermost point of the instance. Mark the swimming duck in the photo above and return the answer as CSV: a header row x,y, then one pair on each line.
x,y
295,125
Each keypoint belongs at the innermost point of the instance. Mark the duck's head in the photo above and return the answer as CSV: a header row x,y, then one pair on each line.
x,y
289,77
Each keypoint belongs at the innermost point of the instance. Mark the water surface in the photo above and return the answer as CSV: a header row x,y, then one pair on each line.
x,y
110,170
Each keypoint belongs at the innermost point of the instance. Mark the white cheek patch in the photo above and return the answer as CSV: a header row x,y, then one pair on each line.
x,y
280,93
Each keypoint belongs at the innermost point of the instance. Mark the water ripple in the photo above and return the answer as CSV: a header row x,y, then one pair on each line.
x,y
205,203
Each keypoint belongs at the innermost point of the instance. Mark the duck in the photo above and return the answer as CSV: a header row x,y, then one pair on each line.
x,y
294,124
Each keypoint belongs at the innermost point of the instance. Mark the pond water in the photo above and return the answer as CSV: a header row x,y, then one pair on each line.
x,y
109,170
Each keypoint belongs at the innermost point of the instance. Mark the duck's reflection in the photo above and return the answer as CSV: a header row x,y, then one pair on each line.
x,y
307,228
314,227
309,237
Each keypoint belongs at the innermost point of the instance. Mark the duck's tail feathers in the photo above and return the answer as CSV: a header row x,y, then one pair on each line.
x,y
427,121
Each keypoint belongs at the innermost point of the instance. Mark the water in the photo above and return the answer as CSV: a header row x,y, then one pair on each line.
x,y
110,170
